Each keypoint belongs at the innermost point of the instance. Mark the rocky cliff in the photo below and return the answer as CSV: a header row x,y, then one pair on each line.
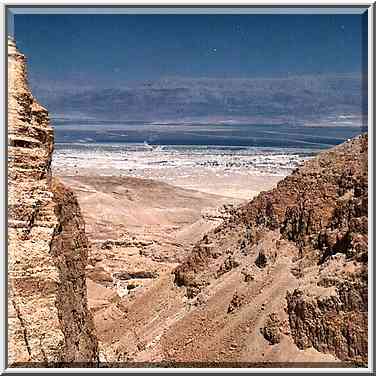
x,y
308,240
48,317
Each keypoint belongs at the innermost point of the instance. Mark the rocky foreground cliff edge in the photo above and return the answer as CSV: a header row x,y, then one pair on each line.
x,y
49,322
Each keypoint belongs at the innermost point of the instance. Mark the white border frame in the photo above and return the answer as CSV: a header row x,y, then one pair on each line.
x,y
210,3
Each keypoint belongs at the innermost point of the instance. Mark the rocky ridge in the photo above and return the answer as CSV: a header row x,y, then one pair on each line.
x,y
313,229
282,282
48,318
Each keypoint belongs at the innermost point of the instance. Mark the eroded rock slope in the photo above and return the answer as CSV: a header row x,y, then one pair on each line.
x,y
48,317
281,282
308,240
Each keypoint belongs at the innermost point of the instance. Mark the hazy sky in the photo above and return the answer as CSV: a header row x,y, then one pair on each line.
x,y
114,48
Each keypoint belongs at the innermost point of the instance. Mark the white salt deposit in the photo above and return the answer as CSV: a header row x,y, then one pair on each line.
x,y
145,161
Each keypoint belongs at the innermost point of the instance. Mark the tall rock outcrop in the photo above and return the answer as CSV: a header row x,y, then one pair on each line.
x,y
48,317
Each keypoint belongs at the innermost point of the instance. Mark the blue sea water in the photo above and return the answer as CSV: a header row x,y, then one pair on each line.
x,y
254,135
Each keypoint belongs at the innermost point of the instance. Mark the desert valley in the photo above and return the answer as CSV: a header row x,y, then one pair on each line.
x,y
231,265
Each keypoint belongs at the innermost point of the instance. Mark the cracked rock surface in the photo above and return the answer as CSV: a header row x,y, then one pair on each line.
x,y
48,318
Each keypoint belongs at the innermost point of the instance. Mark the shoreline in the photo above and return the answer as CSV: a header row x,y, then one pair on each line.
x,y
239,173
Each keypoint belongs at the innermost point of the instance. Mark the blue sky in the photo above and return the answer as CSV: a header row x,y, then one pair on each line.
x,y
115,48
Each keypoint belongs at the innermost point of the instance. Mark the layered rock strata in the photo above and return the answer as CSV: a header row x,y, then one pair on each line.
x,y
48,318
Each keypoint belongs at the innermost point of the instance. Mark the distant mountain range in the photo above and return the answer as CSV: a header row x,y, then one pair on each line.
x,y
262,100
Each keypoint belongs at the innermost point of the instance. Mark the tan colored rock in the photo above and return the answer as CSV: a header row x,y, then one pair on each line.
x,y
271,330
49,320
305,245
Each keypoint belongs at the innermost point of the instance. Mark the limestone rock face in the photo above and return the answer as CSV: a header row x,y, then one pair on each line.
x,y
48,317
